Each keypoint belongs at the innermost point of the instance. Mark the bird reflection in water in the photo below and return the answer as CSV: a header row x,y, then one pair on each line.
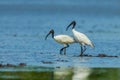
x,y
75,73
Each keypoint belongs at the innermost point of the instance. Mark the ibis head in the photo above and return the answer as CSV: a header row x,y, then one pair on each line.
x,y
73,23
50,32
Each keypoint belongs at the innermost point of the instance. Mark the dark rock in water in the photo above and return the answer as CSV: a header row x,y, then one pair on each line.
x,y
102,55
84,55
22,64
99,55
1,65
62,60
115,56
47,62
58,67
87,55
10,65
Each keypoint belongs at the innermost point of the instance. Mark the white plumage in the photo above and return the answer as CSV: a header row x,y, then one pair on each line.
x,y
62,39
80,38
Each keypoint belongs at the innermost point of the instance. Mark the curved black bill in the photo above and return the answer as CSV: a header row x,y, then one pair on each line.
x,y
47,36
72,23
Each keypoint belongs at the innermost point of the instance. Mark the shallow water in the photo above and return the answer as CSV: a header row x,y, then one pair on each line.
x,y
24,25
23,39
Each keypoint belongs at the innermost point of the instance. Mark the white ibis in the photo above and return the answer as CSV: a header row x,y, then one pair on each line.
x,y
62,39
80,38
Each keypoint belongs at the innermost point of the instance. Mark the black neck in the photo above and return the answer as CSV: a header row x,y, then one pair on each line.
x,y
52,34
73,23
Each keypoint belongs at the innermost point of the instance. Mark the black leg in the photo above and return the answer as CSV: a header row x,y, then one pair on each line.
x,y
64,48
61,50
65,51
84,49
81,51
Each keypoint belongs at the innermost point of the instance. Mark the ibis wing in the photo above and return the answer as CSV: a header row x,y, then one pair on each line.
x,y
64,39
82,38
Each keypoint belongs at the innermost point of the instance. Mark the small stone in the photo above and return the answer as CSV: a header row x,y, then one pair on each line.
x,y
22,64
